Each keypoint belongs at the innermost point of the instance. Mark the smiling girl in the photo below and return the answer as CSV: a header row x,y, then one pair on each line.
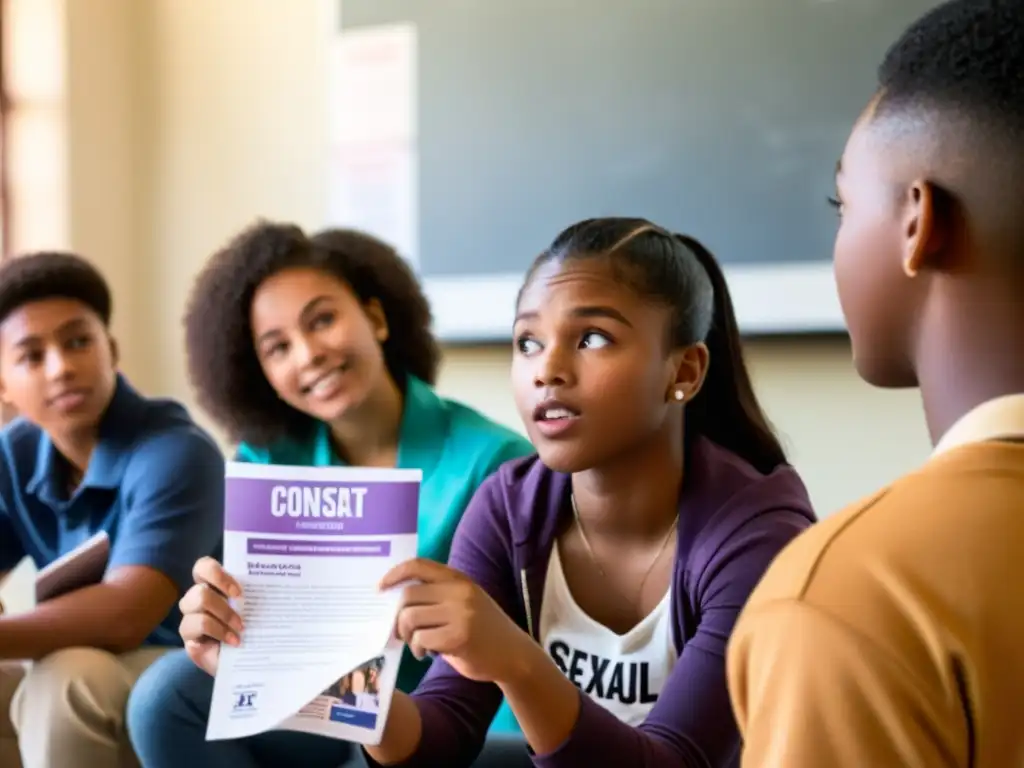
x,y
315,351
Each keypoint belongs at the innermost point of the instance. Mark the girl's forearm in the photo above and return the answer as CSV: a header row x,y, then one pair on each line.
x,y
544,701
402,732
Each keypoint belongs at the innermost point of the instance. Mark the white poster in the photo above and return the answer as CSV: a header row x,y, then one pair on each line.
x,y
374,134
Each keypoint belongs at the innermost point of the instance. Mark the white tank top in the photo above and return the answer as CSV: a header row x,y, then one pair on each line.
x,y
622,673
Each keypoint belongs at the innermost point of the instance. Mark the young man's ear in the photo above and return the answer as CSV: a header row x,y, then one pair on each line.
x,y
375,311
923,233
115,351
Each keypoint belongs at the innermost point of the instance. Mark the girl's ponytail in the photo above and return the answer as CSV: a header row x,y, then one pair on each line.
x,y
726,410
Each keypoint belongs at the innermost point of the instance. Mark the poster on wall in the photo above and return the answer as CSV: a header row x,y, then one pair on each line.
x,y
373,134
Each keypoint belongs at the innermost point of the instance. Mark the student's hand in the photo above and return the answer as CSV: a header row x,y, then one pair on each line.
x,y
448,614
207,618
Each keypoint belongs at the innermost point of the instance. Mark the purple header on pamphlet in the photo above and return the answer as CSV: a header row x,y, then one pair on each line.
x,y
257,505
319,548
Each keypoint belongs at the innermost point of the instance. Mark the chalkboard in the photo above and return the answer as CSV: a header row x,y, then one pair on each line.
x,y
720,118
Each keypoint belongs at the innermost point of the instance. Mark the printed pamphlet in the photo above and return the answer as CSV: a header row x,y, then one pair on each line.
x,y
309,546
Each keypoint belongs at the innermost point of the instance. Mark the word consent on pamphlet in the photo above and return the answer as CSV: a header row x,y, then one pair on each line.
x,y
309,546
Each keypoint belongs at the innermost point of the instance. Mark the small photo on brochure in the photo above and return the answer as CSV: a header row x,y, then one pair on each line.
x,y
352,699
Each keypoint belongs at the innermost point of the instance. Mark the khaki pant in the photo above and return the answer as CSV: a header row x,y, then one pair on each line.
x,y
67,710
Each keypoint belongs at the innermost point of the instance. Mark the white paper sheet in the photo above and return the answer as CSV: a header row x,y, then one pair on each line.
x,y
374,190
309,547
373,85
373,135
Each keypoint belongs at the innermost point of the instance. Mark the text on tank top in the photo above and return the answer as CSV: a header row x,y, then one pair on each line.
x,y
622,673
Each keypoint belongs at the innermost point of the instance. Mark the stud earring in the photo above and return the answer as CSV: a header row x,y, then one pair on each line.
x,y
680,395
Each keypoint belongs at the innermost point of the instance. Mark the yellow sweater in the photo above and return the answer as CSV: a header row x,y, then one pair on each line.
x,y
891,635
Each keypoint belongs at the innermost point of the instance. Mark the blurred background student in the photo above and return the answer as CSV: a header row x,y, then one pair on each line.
x,y
315,351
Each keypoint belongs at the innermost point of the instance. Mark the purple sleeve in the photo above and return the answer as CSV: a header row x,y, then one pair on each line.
x,y
456,711
692,724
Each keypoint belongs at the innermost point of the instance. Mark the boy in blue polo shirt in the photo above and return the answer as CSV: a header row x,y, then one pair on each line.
x,y
87,454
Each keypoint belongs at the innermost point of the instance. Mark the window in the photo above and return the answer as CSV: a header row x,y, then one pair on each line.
x,y
33,149
34,124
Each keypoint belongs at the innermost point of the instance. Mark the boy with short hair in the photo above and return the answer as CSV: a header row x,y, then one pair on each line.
x,y
87,454
889,634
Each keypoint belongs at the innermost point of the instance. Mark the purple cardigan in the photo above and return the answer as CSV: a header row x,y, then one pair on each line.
x,y
733,521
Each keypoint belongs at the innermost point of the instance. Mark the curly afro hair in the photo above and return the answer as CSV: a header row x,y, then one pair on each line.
x,y
222,362
51,275
965,56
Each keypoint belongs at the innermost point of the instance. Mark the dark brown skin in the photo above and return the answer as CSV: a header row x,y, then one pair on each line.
x,y
308,325
587,340
928,263
58,369
592,343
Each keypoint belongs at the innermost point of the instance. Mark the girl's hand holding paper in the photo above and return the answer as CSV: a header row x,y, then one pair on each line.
x,y
207,617
449,615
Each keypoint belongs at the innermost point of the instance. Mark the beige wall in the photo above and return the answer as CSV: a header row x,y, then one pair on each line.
x,y
186,120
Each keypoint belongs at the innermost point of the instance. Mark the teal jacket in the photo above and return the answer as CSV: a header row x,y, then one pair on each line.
x,y
456,447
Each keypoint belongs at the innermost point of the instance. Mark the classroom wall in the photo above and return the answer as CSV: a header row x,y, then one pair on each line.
x,y
186,120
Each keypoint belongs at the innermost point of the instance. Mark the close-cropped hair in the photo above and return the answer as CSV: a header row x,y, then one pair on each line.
x,y
965,57
53,275
678,272
223,363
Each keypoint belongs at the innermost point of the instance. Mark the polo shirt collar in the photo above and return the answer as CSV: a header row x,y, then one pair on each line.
x,y
421,435
118,426
1002,417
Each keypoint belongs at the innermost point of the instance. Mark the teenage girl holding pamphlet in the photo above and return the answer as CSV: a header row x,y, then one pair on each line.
x,y
594,586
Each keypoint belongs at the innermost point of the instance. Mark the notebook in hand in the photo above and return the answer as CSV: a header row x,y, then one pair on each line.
x,y
79,568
